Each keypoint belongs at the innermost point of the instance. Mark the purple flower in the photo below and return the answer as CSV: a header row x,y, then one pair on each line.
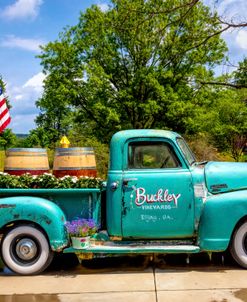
x,y
81,227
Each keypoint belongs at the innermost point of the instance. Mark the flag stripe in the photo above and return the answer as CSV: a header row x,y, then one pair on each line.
x,y
4,113
5,124
2,101
4,116
3,107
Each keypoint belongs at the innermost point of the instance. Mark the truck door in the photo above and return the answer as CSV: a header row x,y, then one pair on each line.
x,y
158,199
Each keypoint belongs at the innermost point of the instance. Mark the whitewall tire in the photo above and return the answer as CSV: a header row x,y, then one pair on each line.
x,y
25,250
238,247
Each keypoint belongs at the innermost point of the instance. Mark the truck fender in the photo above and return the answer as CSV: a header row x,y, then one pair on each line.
x,y
220,215
38,210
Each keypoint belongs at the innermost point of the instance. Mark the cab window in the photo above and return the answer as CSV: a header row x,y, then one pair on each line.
x,y
151,155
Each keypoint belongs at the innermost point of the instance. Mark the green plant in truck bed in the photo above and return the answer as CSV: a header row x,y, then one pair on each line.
x,y
47,181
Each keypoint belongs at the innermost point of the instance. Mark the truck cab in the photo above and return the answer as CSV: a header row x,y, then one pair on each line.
x,y
150,192
157,191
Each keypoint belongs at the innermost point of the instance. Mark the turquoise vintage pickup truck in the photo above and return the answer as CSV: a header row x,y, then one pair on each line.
x,y
158,199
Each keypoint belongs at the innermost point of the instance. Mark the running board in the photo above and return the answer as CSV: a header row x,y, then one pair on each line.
x,y
116,248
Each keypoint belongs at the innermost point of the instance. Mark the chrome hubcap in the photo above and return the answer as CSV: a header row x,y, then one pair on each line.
x,y
26,249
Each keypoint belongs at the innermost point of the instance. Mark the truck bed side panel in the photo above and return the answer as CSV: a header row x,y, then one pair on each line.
x,y
38,210
50,208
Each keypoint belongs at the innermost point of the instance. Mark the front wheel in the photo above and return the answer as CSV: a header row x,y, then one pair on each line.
x,y
238,247
25,250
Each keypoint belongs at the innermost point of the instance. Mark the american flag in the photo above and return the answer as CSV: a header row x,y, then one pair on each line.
x,y
4,112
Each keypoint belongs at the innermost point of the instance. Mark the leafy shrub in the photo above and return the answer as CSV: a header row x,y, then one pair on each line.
x,y
47,181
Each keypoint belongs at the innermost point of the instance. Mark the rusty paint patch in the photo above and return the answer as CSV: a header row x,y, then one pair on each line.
x,y
46,219
7,206
58,247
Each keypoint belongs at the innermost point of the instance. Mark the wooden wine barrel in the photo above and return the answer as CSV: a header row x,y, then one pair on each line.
x,y
26,160
74,162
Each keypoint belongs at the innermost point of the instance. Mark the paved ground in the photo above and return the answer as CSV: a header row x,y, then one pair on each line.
x,y
137,278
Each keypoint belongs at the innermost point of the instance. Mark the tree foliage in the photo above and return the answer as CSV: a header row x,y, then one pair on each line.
x,y
143,64
38,137
225,116
56,113
133,66
240,75
7,139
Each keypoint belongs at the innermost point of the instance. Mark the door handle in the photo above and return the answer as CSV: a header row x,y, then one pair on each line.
x,y
125,184
127,180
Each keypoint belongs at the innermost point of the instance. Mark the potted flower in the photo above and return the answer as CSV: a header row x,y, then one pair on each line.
x,y
80,231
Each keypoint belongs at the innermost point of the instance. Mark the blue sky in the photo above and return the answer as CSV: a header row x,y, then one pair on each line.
x,y
26,24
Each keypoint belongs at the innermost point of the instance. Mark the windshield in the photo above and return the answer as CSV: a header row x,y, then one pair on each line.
x,y
186,150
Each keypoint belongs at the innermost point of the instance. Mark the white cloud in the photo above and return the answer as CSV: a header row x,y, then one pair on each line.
x,y
17,42
36,82
22,99
241,39
224,5
103,6
229,10
22,9
233,10
19,97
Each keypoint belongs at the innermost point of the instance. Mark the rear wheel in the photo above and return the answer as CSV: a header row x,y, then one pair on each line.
x,y
25,250
238,246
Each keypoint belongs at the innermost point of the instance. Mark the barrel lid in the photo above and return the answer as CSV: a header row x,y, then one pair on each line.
x,y
26,150
75,148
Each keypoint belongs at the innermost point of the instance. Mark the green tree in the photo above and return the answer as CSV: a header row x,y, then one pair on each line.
x,y
56,113
225,119
133,66
240,80
7,139
240,75
37,138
